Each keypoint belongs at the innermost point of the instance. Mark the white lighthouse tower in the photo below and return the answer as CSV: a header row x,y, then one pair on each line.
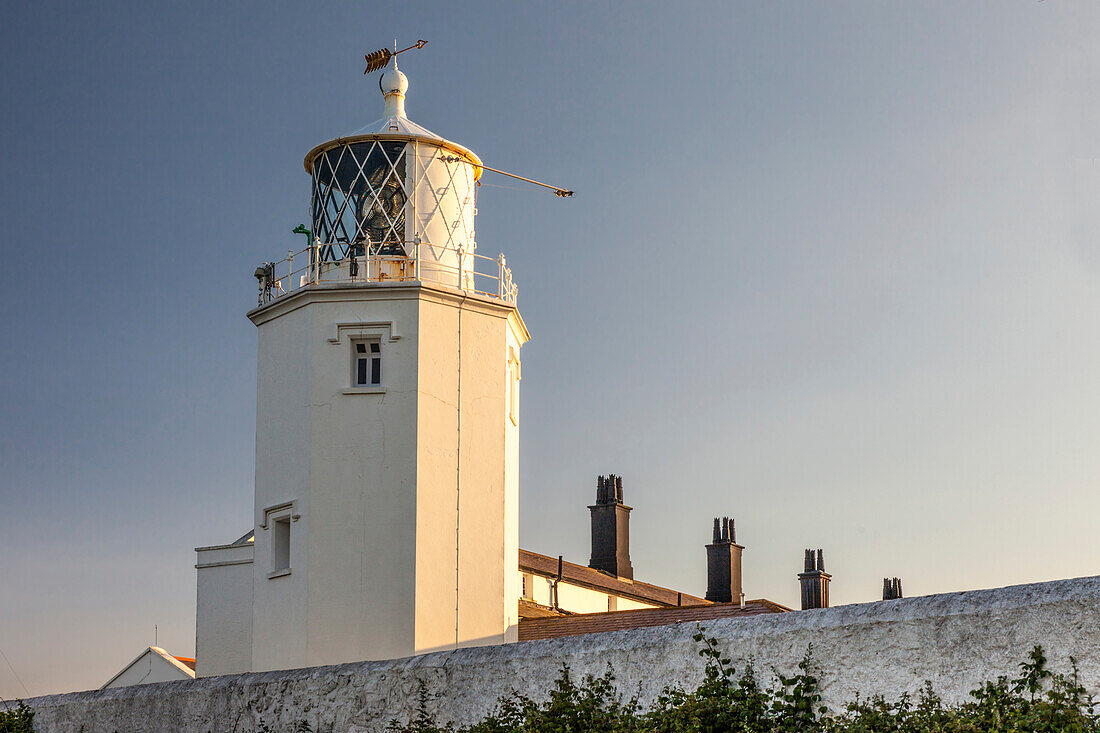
x,y
386,504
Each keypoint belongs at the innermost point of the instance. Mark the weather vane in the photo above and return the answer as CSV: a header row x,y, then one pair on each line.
x,y
378,59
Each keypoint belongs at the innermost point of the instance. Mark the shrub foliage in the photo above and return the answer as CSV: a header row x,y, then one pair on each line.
x,y
734,701
19,719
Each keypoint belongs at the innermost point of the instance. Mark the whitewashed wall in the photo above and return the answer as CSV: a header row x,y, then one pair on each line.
x,y
152,666
223,616
576,598
955,640
403,497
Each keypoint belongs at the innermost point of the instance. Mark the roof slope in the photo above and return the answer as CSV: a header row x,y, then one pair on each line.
x,y
186,662
179,667
591,623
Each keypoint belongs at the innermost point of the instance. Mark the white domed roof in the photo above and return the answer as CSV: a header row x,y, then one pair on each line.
x,y
394,124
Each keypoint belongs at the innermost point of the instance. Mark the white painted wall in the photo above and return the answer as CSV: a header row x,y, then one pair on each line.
x,y
465,474
441,208
152,665
223,616
576,598
283,417
515,337
404,496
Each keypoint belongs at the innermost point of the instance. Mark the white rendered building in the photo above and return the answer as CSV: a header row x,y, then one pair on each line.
x,y
387,433
151,666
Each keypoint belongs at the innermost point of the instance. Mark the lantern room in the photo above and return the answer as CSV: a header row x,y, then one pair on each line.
x,y
391,201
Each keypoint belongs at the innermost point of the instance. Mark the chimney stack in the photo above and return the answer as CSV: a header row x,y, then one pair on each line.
x,y
611,529
814,581
724,564
891,589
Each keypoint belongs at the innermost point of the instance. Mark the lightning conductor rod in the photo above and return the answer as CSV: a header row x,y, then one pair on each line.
x,y
562,192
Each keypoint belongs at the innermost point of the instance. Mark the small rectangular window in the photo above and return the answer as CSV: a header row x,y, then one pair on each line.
x,y
280,544
368,363
528,586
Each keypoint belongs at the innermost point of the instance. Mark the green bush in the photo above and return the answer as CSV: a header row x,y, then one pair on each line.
x,y
19,719
1037,701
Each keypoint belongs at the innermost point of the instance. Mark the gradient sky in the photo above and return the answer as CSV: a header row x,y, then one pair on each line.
x,y
831,269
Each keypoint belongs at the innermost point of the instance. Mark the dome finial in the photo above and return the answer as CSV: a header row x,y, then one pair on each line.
x,y
393,84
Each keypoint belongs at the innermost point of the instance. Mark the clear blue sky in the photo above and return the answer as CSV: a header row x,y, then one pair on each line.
x,y
831,269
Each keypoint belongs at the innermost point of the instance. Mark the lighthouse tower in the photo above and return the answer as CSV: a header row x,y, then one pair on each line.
x,y
386,505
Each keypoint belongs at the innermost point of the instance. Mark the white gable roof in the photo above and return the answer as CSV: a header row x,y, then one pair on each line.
x,y
152,665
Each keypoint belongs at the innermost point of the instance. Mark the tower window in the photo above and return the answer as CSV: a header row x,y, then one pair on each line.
x,y
280,544
277,523
368,363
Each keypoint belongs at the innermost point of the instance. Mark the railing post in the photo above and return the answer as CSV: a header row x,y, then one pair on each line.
x,y
500,275
290,268
372,261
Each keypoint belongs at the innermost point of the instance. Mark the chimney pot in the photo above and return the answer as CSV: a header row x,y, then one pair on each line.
x,y
723,564
814,581
891,588
611,529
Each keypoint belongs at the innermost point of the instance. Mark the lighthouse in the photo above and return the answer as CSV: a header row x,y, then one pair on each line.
x,y
387,422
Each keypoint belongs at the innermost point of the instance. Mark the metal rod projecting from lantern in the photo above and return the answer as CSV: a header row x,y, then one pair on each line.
x,y
378,59
561,192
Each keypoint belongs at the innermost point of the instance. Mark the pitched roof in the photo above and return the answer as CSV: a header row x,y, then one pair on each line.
x,y
532,562
186,662
187,671
530,609
552,627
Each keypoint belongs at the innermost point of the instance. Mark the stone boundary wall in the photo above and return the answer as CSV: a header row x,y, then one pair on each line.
x,y
955,640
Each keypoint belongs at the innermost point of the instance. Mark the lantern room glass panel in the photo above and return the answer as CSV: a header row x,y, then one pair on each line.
x,y
359,199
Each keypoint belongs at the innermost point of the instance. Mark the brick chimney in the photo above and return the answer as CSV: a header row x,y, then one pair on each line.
x,y
891,589
611,529
724,564
814,581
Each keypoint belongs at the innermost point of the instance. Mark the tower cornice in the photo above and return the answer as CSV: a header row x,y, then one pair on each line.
x,y
390,291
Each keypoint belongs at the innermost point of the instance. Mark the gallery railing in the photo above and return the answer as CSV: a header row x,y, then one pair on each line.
x,y
323,264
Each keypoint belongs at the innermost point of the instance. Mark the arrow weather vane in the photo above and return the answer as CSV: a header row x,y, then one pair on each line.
x,y
378,59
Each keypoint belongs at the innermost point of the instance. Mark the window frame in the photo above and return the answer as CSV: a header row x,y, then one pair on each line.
x,y
280,547
345,334
280,518
366,355
374,358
